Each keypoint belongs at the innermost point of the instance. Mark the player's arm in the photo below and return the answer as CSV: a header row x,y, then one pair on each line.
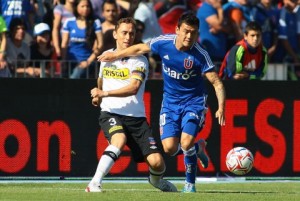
x,y
217,83
131,89
135,50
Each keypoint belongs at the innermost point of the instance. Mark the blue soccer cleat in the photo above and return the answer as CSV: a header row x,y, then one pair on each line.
x,y
201,153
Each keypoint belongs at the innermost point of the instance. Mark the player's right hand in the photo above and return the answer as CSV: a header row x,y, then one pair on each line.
x,y
106,57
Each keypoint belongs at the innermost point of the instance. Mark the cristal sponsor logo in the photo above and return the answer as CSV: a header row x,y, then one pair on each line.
x,y
177,75
116,73
114,128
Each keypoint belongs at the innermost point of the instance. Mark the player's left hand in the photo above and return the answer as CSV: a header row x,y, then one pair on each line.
x,y
98,93
221,117
95,92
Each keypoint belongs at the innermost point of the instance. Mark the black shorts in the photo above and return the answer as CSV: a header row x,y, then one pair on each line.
x,y
138,132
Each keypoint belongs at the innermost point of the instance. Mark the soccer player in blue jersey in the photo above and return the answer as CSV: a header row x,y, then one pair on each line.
x,y
184,63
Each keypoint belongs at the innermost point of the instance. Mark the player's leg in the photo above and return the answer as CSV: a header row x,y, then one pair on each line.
x,y
117,141
145,149
190,161
190,121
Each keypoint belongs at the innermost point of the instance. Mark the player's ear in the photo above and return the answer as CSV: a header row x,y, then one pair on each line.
x,y
177,29
115,35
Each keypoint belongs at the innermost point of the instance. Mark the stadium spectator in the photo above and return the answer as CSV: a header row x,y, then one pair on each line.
x,y
81,40
266,15
168,12
42,52
4,70
18,52
145,12
289,39
120,91
212,29
61,13
184,100
110,15
247,59
127,8
97,8
11,9
236,16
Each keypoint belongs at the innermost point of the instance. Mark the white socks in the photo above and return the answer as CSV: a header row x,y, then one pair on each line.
x,y
106,162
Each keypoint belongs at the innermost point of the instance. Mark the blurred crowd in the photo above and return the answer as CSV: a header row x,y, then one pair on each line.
x,y
62,38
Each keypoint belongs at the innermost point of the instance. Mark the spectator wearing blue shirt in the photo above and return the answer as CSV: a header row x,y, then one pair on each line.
x,y
289,37
266,15
11,9
81,39
212,29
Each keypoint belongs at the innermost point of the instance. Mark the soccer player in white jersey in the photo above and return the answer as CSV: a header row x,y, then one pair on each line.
x,y
120,91
185,64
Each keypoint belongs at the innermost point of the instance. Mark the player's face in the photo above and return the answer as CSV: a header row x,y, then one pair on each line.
x,y
124,35
253,38
186,36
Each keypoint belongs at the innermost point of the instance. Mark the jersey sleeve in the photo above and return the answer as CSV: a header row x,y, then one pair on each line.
x,y
140,69
154,44
101,69
66,26
97,26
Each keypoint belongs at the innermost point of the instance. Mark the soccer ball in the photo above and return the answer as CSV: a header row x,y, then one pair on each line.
x,y
239,160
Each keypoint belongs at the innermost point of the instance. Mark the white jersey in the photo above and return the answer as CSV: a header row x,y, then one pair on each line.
x,y
117,74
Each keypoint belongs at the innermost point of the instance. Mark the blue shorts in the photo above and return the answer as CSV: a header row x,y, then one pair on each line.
x,y
175,119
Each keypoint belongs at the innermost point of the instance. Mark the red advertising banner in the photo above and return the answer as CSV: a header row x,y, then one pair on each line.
x,y
50,128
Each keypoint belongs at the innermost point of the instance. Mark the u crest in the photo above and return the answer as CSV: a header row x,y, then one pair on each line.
x,y
188,64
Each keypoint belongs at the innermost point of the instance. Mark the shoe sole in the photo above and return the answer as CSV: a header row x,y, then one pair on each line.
x,y
202,156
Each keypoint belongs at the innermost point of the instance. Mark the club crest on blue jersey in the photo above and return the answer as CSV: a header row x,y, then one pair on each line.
x,y
188,63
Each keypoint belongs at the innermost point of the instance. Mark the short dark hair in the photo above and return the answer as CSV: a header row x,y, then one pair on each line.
x,y
109,2
189,18
126,20
252,26
17,22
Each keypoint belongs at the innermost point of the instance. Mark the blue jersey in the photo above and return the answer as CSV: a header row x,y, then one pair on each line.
x,y
78,49
11,9
182,70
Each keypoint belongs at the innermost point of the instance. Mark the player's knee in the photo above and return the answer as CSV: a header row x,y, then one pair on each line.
x,y
170,150
156,162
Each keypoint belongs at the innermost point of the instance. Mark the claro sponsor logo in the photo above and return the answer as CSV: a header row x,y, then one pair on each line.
x,y
178,75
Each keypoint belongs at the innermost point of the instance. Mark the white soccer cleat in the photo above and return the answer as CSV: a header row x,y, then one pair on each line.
x,y
93,188
165,186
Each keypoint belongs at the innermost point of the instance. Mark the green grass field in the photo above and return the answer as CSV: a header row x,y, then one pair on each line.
x,y
275,191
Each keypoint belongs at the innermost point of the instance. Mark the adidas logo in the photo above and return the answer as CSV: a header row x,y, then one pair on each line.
x,y
166,57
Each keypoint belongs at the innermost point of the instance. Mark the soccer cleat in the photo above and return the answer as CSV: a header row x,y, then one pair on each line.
x,y
93,187
201,153
189,188
164,186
